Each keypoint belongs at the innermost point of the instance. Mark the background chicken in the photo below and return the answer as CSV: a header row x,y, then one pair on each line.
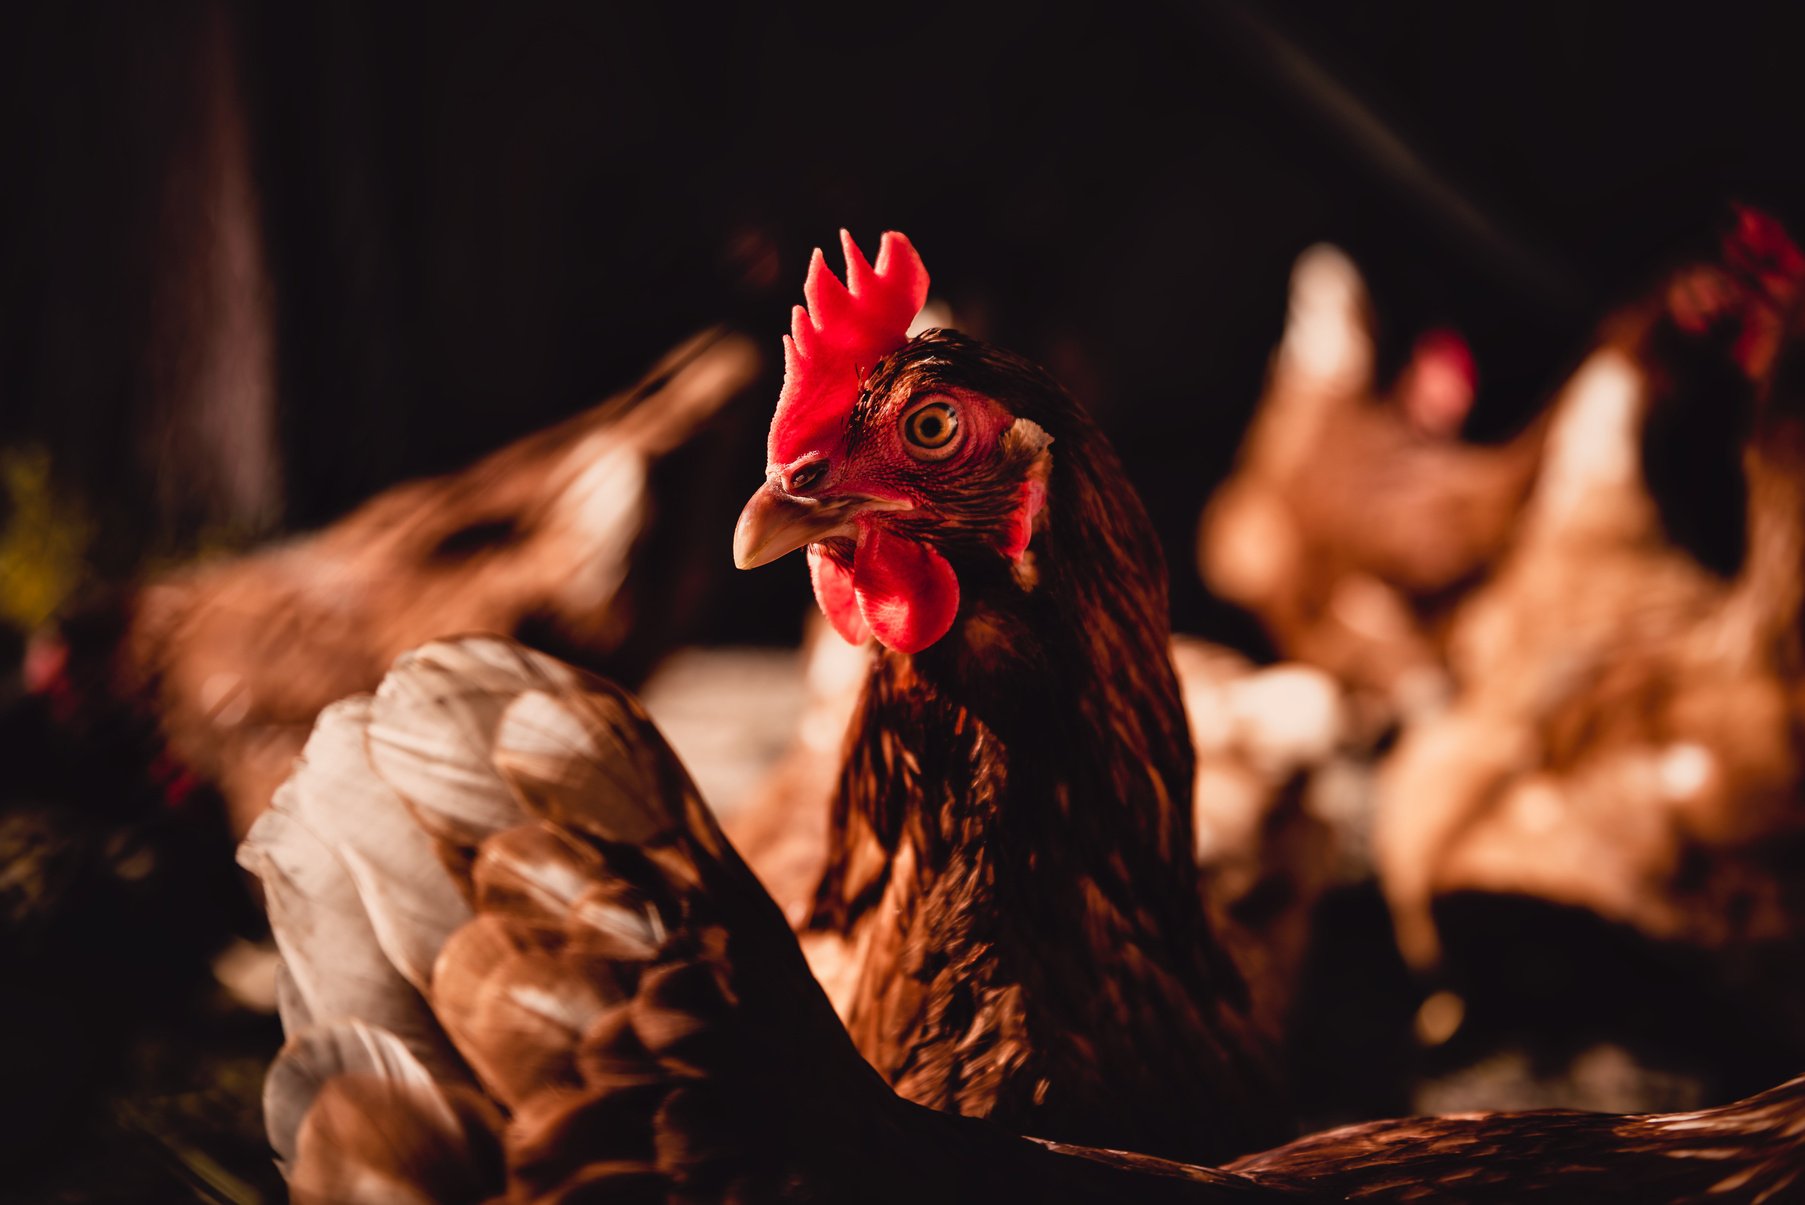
x,y
129,724
586,537
1624,743
780,824
1356,516
1280,806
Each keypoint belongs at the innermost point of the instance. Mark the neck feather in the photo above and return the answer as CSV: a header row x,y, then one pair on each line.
x,y
1022,788
1048,725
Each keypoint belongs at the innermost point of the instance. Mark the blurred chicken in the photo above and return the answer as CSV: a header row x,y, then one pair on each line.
x,y
1627,737
522,962
1355,518
588,538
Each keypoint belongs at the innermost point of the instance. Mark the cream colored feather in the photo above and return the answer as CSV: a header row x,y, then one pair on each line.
x,y
496,863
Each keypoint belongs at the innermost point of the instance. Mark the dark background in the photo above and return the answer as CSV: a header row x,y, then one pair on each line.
x,y
258,261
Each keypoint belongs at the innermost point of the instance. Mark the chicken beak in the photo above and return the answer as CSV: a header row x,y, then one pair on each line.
x,y
775,523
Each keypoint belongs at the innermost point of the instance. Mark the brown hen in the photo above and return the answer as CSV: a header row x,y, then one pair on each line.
x,y
225,665
1011,876
1356,517
1627,740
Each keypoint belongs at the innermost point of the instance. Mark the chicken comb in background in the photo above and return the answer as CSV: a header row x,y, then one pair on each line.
x,y
1750,289
838,336
1438,387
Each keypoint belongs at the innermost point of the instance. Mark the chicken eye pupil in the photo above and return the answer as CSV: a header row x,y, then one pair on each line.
x,y
932,428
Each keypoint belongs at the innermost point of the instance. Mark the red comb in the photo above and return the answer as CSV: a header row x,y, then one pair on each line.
x,y
1446,346
839,336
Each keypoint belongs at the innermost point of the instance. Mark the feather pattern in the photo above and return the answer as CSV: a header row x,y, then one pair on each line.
x,y
334,814
355,1118
319,1055
579,968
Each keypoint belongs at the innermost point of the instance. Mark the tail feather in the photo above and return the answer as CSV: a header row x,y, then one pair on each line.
x,y
497,856
334,964
320,1054
431,731
572,767
411,904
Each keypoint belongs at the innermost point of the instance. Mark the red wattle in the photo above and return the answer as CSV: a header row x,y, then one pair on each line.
x,y
906,591
833,594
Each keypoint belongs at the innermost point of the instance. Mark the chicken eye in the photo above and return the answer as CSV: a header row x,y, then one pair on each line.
x,y
932,431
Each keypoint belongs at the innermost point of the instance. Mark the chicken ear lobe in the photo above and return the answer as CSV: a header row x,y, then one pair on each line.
x,y
906,592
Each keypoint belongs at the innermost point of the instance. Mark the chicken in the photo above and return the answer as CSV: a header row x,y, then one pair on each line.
x,y
1010,893
522,961
224,666
1354,520
1627,737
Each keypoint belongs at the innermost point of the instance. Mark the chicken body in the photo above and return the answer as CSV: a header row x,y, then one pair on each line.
x,y
1266,833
